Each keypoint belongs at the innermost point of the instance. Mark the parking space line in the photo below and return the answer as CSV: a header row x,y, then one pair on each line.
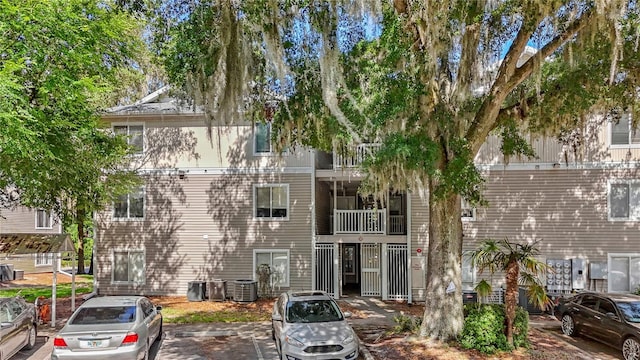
x,y
255,344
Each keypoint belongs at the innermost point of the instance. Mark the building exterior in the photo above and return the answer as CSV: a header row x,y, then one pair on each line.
x,y
22,220
216,205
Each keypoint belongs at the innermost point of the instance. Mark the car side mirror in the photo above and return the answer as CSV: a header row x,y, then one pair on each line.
x,y
276,317
5,325
158,308
611,315
347,314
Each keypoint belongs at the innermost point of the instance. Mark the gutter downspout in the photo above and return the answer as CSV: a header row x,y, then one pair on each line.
x,y
313,220
409,252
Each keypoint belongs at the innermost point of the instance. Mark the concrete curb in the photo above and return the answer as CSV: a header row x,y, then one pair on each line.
x,y
364,351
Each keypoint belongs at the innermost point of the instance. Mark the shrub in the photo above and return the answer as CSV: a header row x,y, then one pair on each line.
x,y
406,323
484,328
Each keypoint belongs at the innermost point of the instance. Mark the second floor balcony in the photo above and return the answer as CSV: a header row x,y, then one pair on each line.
x,y
354,156
371,221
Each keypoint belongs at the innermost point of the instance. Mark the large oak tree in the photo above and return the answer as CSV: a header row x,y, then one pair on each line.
x,y
429,80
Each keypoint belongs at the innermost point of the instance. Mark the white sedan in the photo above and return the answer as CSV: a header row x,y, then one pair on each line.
x,y
310,325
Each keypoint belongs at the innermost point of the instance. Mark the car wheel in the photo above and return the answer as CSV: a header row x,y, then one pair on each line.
x,y
568,325
631,349
31,338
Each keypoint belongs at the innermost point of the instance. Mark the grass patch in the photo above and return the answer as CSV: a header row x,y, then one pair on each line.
x,y
176,316
30,294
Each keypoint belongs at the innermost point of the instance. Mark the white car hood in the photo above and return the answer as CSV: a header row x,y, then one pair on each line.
x,y
325,333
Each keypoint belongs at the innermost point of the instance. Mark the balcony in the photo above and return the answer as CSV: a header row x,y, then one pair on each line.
x,y
367,222
354,157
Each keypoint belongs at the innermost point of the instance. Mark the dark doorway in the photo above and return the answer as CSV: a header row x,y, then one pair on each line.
x,y
350,269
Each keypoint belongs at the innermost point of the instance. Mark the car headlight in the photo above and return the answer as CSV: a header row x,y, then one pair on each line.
x,y
293,341
348,340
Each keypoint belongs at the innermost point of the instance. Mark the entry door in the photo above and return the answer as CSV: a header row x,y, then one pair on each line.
x,y
349,264
370,262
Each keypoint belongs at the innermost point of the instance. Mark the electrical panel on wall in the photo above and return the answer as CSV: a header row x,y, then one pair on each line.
x,y
578,274
559,276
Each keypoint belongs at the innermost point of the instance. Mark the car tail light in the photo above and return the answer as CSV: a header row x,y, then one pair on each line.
x,y
130,339
59,342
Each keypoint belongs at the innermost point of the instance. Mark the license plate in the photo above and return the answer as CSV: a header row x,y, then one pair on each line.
x,y
92,344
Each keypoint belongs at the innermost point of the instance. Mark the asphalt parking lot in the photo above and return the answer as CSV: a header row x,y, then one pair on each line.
x,y
190,342
252,341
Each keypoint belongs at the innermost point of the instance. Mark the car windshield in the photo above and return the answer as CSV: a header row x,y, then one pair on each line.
x,y
311,311
630,311
104,315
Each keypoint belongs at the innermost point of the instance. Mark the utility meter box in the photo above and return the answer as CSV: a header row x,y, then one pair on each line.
x,y
578,274
598,270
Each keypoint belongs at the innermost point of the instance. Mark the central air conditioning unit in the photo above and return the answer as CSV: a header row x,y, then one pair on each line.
x,y
196,290
245,290
217,289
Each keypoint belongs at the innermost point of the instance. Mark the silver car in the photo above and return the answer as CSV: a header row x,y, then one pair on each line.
x,y
110,327
310,325
17,326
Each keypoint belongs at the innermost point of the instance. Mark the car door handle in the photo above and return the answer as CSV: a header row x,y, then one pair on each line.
x,y
597,317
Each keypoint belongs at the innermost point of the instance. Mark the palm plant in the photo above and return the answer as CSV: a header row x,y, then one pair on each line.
x,y
520,267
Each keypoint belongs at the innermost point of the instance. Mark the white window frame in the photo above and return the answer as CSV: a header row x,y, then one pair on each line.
x,y
610,274
255,202
129,252
47,257
629,183
629,143
129,125
129,217
474,271
287,283
50,226
465,206
255,140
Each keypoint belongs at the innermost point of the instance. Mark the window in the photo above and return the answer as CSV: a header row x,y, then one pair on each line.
x,y
271,201
130,206
623,272
262,138
43,219
622,133
128,266
278,261
134,134
589,302
606,307
624,201
44,259
468,211
468,271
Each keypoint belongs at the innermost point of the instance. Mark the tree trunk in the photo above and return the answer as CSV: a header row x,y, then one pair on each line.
x,y
443,316
80,215
511,298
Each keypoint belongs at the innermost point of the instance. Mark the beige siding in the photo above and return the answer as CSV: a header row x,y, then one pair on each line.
x,y
202,228
23,220
595,149
565,210
183,142
27,263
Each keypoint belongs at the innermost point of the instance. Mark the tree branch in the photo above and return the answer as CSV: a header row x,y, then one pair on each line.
x,y
509,77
